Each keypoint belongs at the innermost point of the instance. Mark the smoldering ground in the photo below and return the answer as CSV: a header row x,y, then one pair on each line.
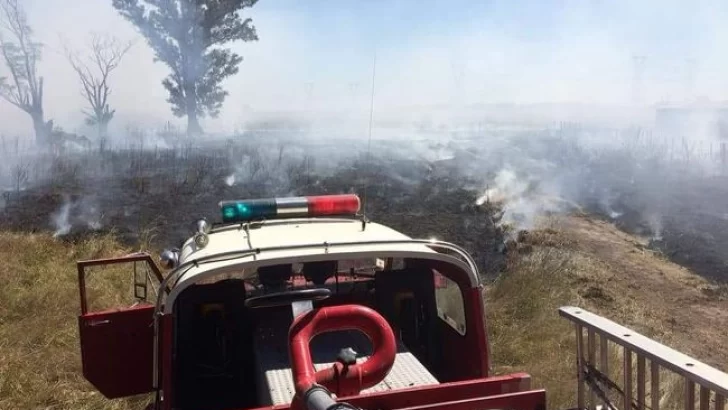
x,y
477,190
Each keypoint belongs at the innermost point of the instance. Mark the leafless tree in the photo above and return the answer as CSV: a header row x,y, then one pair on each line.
x,y
105,55
23,87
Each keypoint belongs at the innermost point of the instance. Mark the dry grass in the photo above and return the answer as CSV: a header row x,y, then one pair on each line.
x,y
608,273
574,263
40,365
526,332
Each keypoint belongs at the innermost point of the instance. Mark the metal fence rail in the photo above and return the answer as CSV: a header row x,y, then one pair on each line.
x,y
711,383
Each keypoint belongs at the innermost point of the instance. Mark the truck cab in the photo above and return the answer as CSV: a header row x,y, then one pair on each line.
x,y
301,303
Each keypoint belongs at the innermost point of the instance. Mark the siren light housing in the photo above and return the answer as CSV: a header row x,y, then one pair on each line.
x,y
289,207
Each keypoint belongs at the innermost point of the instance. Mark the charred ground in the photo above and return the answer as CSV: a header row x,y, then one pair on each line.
x,y
153,195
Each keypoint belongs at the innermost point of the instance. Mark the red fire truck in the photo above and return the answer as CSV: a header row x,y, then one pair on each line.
x,y
304,303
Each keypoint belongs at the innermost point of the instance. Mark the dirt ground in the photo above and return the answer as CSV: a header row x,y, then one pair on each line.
x,y
669,302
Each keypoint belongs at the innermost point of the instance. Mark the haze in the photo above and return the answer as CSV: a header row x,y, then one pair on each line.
x,y
318,55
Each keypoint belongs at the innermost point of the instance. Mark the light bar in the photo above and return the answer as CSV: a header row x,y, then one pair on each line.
x,y
290,207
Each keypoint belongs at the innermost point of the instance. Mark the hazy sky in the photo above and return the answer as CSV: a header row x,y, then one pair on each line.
x,y
504,51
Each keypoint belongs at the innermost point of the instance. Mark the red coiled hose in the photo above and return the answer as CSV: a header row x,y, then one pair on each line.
x,y
341,379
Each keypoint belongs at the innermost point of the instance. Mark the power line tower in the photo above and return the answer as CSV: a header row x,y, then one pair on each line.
x,y
308,97
308,87
458,95
353,92
458,72
638,68
689,80
353,87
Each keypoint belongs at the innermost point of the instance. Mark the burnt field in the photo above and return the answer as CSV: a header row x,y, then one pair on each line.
x,y
470,190
153,196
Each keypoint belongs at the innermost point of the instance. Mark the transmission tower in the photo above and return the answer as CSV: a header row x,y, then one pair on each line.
x,y
637,78
458,72
309,90
458,94
308,96
353,87
689,83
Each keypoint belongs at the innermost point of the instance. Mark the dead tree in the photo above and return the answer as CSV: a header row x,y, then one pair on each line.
x,y
106,53
22,87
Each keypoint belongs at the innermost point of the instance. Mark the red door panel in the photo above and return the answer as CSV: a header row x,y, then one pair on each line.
x,y
116,350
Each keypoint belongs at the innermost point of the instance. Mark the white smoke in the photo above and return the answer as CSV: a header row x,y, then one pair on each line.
x,y
230,180
79,213
61,220
89,214
654,221
522,200
606,201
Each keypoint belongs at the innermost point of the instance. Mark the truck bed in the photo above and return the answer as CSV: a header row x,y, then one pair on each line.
x,y
273,369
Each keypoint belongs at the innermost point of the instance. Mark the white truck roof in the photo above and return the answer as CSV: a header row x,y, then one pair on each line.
x,y
290,233
237,247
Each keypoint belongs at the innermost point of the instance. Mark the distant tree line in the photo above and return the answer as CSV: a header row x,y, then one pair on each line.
x,y
186,35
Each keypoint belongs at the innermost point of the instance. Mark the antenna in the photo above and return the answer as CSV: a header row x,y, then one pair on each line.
x,y
369,142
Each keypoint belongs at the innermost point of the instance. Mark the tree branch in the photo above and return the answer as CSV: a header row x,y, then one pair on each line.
x,y
105,56
21,58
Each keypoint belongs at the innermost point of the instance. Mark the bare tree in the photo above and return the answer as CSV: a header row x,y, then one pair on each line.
x,y
24,89
106,53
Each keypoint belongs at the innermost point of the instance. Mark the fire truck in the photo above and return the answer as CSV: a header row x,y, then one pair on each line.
x,y
304,303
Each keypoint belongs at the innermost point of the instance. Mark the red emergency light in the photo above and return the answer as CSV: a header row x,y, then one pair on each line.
x,y
289,207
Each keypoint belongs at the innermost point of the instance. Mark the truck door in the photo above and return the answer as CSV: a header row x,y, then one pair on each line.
x,y
117,343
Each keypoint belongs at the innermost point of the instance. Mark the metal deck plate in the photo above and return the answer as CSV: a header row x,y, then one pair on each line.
x,y
275,383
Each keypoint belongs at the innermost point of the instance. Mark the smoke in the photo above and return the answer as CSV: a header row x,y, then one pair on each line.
x,y
82,213
230,180
539,108
655,223
317,59
522,200
60,219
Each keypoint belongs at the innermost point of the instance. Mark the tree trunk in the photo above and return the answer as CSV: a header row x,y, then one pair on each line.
x,y
193,124
103,134
41,129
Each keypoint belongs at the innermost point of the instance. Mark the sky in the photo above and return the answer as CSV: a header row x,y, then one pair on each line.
x,y
320,54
